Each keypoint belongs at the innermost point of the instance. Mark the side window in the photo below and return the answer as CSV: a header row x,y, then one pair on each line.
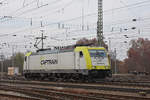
x,y
81,54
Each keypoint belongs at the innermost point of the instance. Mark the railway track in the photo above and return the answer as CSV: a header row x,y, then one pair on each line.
x,y
130,84
15,97
51,94
41,88
108,81
47,94
114,86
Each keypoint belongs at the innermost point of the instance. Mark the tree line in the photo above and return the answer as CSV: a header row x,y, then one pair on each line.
x,y
14,61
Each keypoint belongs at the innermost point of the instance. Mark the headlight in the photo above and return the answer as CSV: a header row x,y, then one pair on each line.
x,y
94,67
107,67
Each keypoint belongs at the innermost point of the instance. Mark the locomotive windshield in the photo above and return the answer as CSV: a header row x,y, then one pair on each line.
x,y
98,57
97,53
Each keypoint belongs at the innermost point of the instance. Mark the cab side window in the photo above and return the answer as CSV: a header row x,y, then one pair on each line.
x,y
81,54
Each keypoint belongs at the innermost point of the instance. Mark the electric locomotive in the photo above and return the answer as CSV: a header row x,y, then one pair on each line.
x,y
82,62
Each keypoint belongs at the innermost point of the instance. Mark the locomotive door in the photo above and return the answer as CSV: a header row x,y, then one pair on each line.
x,y
77,60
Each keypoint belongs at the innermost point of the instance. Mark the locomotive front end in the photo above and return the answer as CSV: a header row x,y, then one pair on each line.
x,y
100,63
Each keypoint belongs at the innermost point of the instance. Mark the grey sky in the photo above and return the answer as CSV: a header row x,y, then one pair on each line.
x,y
118,15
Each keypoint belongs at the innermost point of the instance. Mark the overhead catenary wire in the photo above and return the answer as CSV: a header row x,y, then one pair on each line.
x,y
66,21
47,4
9,19
126,6
2,1
17,10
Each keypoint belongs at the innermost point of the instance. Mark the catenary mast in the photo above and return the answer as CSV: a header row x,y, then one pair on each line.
x,y
100,23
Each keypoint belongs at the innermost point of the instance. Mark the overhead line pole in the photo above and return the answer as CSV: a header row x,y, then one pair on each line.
x,y
42,38
100,23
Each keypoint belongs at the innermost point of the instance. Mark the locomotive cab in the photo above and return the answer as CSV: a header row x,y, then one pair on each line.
x,y
97,61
